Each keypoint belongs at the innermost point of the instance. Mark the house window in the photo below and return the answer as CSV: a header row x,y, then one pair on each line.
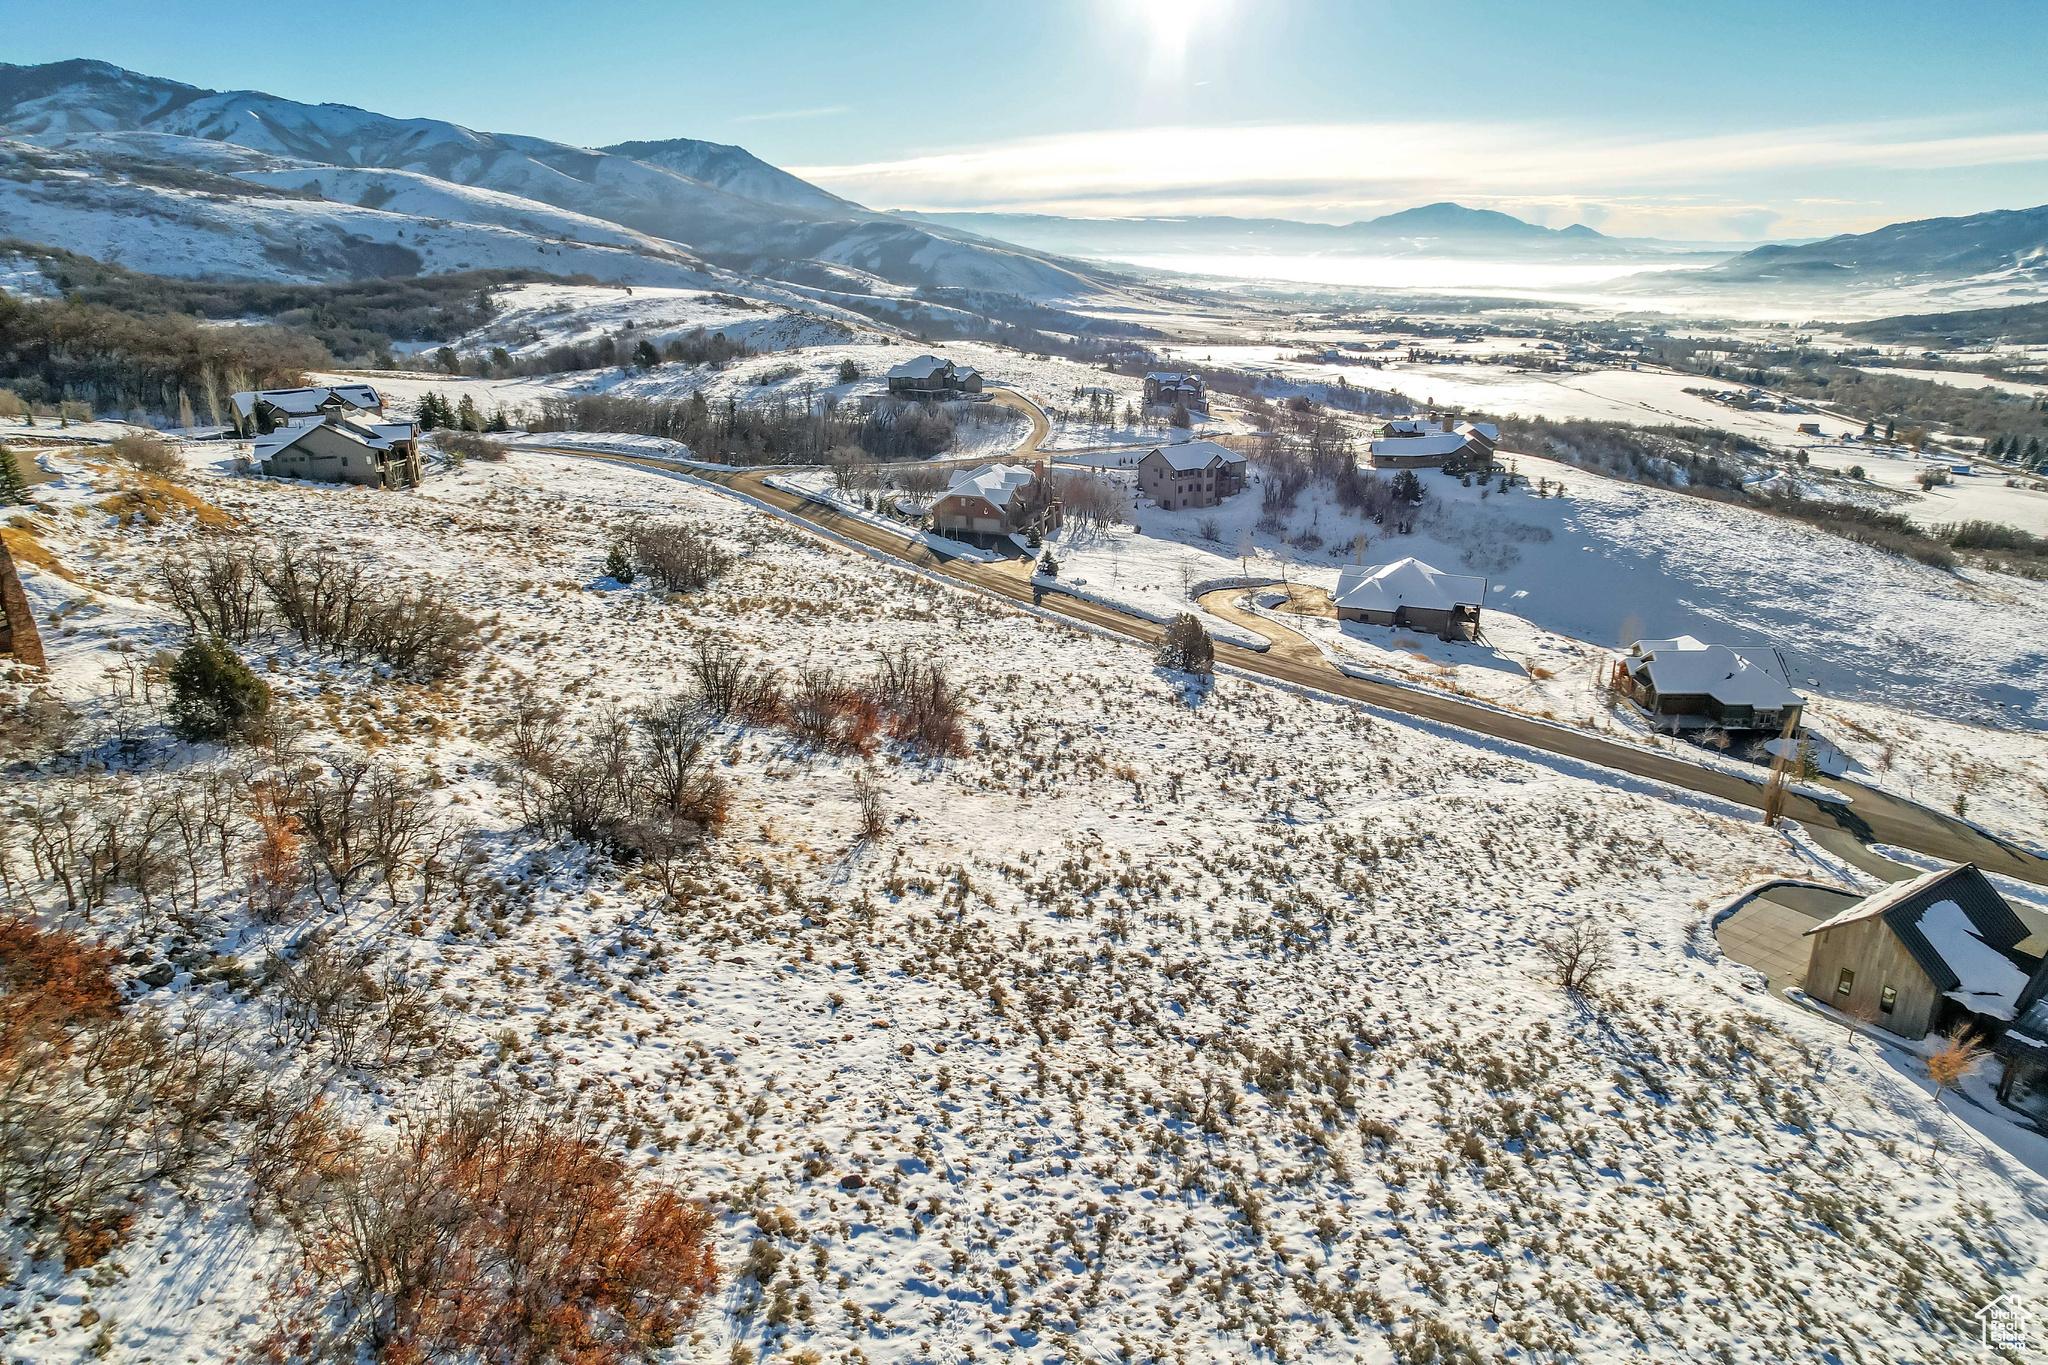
x,y
1847,983
1888,999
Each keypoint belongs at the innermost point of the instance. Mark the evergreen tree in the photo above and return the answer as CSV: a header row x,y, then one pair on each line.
x,y
1048,566
848,371
13,483
498,422
214,695
466,415
1996,448
2034,451
1890,430
645,356
617,567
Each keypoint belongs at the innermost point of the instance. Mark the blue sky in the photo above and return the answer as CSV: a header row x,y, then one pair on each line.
x,y
1711,122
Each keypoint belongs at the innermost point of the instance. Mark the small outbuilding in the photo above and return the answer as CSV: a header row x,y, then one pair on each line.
x,y
1409,592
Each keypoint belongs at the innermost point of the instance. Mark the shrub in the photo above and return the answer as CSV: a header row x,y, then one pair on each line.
x,y
1187,647
676,557
219,594
94,1104
418,632
214,695
463,445
921,705
617,566
497,1236
848,371
147,455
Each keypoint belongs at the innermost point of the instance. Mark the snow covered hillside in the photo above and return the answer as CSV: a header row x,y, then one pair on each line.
x,y
74,104
172,230
1149,1023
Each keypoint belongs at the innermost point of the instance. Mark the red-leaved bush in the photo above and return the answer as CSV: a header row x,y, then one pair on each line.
x,y
487,1234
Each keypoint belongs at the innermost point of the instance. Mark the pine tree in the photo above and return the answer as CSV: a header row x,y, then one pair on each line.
x,y
617,567
498,422
466,415
13,484
1890,430
1996,448
1048,566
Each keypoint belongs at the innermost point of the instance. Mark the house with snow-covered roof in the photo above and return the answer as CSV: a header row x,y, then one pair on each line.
x,y
1684,684
334,449
1409,592
1164,388
267,408
932,379
1191,474
991,502
1927,955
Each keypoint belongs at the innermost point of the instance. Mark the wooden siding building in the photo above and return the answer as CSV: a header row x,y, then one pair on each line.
x,y
1927,954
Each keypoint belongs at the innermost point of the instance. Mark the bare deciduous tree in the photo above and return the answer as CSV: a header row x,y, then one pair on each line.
x,y
1578,954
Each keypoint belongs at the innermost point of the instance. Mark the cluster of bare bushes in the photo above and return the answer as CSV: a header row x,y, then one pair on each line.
x,y
331,602
908,699
639,786
676,556
1092,500
147,454
483,1233
97,1101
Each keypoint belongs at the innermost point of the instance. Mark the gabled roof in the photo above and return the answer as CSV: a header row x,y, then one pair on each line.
x,y
1412,426
994,483
1406,583
306,402
1164,376
1441,443
361,433
1684,667
1963,935
1486,429
918,367
1192,455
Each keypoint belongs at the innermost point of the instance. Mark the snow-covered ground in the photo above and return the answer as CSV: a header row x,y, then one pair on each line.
x,y
1159,1022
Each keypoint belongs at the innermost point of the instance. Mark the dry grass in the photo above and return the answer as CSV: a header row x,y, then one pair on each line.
x,y
152,501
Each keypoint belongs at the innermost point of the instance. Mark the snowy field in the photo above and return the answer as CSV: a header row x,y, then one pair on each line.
x,y
1610,562
1156,1025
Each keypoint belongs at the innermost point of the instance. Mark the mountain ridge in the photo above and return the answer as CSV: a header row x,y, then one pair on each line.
x,y
68,105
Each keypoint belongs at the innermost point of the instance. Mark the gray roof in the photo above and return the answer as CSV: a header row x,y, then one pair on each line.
x,y
1903,904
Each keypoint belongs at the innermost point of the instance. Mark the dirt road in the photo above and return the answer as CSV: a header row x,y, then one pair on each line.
x,y
1874,817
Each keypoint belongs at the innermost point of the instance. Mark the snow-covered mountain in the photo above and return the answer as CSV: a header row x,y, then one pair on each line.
x,y
698,199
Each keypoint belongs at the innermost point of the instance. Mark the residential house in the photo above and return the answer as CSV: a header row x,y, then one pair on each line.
x,y
267,409
375,454
1682,684
1931,954
1409,592
1192,474
931,379
987,504
1164,388
1432,451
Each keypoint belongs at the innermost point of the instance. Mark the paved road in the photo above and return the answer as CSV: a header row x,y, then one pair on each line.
x,y
1874,818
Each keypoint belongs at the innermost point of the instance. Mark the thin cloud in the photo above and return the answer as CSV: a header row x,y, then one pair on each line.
x,y
1337,172
782,115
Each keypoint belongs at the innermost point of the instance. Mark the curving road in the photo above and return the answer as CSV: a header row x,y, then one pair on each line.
x,y
1875,817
